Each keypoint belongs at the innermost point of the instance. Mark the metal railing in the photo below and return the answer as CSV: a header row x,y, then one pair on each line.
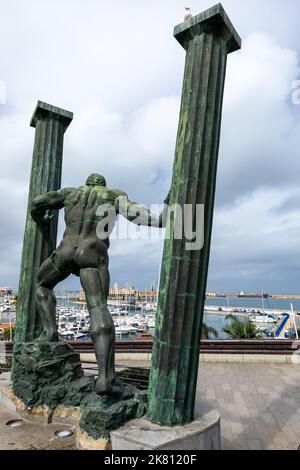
x,y
271,347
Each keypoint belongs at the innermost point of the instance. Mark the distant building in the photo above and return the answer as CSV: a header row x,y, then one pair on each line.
x,y
242,295
119,293
82,295
114,292
6,291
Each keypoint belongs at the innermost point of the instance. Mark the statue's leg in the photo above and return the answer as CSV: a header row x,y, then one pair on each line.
x,y
48,277
102,329
105,281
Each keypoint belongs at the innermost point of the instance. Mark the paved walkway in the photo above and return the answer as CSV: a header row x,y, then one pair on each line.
x,y
32,436
259,405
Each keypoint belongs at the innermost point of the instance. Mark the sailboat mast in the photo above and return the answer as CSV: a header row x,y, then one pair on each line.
x,y
263,301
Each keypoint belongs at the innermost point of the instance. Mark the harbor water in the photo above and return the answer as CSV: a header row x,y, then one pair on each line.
x,y
215,319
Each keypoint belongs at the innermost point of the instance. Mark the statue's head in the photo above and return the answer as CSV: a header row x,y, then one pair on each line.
x,y
96,180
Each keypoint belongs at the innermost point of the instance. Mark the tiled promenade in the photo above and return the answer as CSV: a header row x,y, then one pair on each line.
x,y
259,405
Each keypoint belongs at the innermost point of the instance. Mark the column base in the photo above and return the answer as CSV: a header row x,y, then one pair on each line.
x,y
202,434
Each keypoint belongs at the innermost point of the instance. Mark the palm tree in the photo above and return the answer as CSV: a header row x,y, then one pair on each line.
x,y
240,329
7,335
208,332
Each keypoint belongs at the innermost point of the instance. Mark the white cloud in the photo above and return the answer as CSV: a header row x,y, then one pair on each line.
x,y
258,169
257,239
263,70
134,150
260,128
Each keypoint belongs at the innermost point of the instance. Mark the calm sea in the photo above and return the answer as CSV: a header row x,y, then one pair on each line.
x,y
277,304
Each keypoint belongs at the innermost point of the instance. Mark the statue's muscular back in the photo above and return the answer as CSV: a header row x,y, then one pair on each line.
x,y
81,247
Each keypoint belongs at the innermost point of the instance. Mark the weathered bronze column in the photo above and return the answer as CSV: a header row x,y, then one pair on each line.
x,y
207,39
39,241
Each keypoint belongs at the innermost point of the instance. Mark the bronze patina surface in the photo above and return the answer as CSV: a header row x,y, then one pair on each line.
x,y
207,39
90,215
50,124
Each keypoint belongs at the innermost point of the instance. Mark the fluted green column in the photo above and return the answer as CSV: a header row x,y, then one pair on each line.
x,y
39,241
207,39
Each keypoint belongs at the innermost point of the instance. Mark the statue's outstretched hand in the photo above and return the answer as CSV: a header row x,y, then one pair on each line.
x,y
41,216
48,216
165,212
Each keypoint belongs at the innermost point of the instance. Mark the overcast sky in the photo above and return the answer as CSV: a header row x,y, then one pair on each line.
x,y
117,66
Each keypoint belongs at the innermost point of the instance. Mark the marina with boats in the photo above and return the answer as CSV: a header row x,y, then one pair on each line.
x,y
134,315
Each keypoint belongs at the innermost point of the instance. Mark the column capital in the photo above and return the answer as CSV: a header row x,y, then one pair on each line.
x,y
214,21
44,109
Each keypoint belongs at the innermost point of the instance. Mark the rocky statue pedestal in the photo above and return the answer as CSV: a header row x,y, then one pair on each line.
x,y
49,385
48,375
103,414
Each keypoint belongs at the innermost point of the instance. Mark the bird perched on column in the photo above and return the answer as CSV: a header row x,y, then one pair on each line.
x,y
188,14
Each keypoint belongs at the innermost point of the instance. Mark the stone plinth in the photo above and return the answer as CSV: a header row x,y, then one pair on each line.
x,y
202,434
49,374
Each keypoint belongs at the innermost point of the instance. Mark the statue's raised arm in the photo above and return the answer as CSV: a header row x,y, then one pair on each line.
x,y
140,214
42,204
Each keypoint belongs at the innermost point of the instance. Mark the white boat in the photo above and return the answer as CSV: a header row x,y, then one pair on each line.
x,y
122,330
62,326
67,335
133,330
149,307
263,319
80,336
151,323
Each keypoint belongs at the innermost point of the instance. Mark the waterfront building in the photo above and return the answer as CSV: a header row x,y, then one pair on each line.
x,y
4,291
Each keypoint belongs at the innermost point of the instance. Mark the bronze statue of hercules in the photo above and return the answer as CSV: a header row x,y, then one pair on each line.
x,y
90,215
